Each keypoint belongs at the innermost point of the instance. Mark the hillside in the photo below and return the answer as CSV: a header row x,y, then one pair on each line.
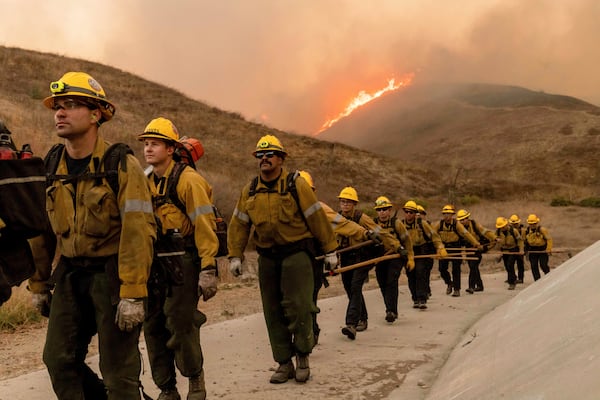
x,y
228,139
490,140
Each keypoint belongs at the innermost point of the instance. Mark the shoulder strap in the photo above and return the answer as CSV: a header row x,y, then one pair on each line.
x,y
171,190
253,185
114,156
356,216
425,235
475,229
51,162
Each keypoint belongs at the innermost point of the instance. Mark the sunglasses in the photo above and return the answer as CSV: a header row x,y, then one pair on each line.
x,y
410,212
261,154
384,209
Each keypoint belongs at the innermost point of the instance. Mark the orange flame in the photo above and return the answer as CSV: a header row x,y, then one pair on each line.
x,y
363,98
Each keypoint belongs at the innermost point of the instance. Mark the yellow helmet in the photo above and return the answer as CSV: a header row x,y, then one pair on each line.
x,y
382,202
410,206
160,128
421,210
501,222
307,178
269,142
533,219
80,84
348,193
448,209
514,219
462,214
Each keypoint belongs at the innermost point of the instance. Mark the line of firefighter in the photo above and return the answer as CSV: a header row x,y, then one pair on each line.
x,y
101,250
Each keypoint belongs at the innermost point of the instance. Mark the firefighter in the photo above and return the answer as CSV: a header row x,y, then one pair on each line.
x,y
485,237
285,228
425,241
511,244
538,245
186,224
388,271
453,235
515,222
353,280
105,243
342,227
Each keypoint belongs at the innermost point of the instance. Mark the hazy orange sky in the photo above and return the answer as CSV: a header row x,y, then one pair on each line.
x,y
293,64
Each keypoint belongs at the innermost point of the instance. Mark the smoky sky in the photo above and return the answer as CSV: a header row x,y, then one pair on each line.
x,y
293,64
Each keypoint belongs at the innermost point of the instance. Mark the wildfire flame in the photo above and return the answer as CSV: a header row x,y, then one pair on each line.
x,y
363,98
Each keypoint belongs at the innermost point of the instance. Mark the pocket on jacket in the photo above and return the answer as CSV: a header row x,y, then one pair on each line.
x,y
59,206
98,211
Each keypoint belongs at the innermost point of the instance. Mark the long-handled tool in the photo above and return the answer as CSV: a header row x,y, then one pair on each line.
x,y
377,260
353,247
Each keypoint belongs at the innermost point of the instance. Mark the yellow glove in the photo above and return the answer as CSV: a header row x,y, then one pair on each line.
x,y
410,264
442,252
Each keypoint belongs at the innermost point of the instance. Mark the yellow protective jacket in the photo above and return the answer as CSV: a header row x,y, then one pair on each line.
x,y
390,242
453,232
277,219
510,239
421,232
343,226
487,233
396,228
94,222
538,237
195,193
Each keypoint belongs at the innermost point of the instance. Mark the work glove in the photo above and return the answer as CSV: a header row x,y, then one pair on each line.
x,y
481,248
331,261
207,283
410,264
374,236
41,302
235,266
442,252
130,313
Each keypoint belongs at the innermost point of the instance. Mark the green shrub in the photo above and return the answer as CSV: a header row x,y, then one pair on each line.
x,y
560,202
469,200
590,202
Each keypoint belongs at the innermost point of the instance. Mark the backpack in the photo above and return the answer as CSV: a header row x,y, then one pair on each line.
x,y
23,197
172,197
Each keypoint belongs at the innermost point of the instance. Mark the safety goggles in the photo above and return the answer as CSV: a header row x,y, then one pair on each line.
x,y
70,105
261,154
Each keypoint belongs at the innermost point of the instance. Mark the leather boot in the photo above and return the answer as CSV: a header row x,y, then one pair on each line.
x,y
284,372
350,331
302,368
197,389
362,325
169,394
